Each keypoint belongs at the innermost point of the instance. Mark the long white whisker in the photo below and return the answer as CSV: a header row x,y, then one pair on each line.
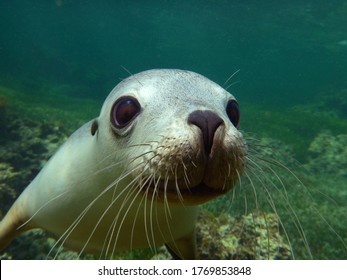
x,y
70,229
42,207
115,220
231,76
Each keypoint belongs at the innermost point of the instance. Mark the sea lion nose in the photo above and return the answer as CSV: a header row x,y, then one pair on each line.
x,y
208,122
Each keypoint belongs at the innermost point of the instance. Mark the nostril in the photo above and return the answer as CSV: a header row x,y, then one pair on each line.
x,y
208,122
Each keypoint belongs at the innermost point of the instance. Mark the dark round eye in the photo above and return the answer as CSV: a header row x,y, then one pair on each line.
x,y
233,112
124,110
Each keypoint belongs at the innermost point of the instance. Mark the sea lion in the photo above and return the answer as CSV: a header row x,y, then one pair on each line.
x,y
165,141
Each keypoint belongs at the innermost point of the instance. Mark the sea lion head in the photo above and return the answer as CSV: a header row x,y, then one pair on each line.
x,y
178,133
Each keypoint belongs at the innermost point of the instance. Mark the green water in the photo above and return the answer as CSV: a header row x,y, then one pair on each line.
x,y
288,51
59,59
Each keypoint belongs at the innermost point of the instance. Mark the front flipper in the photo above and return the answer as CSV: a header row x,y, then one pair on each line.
x,y
183,248
10,226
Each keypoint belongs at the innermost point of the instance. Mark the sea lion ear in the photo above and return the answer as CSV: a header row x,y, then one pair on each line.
x,y
94,127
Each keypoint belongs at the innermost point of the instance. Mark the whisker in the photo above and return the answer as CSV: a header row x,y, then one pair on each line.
x,y
271,202
232,84
179,194
70,229
145,220
150,179
231,76
137,192
155,192
290,211
114,199
41,208
132,75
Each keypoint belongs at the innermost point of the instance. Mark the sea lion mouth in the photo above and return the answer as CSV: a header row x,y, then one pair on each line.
x,y
197,194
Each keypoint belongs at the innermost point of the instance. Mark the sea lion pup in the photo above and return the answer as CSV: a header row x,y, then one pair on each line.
x,y
165,142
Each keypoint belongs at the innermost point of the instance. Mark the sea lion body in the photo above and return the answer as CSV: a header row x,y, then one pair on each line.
x,y
134,177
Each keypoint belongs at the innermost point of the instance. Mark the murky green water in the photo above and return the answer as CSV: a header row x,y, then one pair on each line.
x,y
59,59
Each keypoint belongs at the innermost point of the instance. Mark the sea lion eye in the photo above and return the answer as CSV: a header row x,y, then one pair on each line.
x,y
124,110
233,112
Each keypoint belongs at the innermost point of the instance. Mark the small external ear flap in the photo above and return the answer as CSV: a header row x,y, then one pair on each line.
x,y
94,127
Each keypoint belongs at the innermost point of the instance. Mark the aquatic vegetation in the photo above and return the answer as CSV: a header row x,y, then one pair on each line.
x,y
245,238
250,237
28,145
327,161
302,201
335,101
7,179
2,103
328,154
223,237
31,245
295,127
34,245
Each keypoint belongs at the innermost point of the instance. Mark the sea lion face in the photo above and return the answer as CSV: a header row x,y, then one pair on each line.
x,y
178,132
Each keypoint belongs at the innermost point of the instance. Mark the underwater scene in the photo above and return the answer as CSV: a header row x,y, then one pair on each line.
x,y
285,62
